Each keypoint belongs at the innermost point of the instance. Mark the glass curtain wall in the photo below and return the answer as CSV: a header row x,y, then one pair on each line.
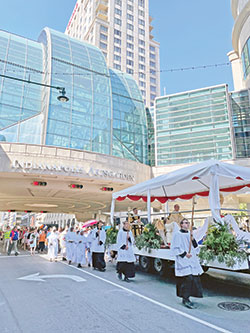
x,y
129,119
20,102
241,122
193,126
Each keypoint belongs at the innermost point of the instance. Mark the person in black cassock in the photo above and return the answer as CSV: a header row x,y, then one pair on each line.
x,y
187,265
126,257
98,236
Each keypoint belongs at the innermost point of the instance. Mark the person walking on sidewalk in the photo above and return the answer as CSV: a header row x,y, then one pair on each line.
x,y
6,242
13,241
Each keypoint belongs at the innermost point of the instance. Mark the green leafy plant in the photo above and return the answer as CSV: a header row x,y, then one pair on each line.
x,y
149,239
111,236
222,245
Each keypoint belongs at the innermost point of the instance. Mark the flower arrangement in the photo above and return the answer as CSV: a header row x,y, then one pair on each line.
x,y
111,236
149,239
222,245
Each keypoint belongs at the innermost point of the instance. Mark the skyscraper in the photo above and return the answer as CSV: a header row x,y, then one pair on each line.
x,y
122,29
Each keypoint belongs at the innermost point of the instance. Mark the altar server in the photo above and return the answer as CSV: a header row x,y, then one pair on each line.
x,y
52,240
187,264
97,247
126,257
81,249
70,238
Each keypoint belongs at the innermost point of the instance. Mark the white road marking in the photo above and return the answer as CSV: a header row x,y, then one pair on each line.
x,y
13,256
40,278
200,321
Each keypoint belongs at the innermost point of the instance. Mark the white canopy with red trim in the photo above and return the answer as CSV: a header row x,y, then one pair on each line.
x,y
204,179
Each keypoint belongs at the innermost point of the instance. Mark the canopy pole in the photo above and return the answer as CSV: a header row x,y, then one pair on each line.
x,y
112,210
149,206
192,224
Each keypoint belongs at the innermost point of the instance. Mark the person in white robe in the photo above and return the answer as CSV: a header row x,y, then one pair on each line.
x,y
81,249
63,243
52,240
88,236
97,247
70,239
187,264
126,257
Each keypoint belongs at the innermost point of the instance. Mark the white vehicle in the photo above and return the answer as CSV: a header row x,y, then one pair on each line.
x,y
209,179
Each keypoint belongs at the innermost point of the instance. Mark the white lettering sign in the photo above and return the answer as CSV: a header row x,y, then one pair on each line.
x,y
102,173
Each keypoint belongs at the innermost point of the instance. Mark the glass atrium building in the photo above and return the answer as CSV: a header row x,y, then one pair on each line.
x,y
193,126
105,112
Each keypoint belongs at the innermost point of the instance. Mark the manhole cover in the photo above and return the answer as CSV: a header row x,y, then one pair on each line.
x,y
233,306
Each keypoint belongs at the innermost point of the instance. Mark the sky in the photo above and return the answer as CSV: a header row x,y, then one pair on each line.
x,y
191,33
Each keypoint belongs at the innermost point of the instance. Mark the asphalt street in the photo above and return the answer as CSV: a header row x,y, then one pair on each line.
x,y
62,298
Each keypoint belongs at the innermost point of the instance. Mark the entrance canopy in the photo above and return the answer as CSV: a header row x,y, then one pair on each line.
x,y
204,179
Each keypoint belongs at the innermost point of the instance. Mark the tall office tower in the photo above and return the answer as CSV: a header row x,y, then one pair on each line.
x,y
122,29
240,56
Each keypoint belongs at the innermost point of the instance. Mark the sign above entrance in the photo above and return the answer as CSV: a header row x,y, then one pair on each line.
x,y
90,172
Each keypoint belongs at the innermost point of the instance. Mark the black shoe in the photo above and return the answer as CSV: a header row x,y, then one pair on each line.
x,y
188,304
126,279
64,259
79,266
119,276
69,262
89,265
102,269
16,254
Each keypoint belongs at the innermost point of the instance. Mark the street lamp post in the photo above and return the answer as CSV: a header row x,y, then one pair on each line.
x,y
62,98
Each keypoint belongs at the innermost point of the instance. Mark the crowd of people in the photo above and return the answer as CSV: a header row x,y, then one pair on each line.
x,y
86,247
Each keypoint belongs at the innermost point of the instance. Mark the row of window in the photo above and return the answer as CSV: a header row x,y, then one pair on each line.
x,y
141,3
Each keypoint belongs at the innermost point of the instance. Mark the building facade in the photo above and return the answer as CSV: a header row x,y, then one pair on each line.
x,y
105,112
193,126
240,55
122,29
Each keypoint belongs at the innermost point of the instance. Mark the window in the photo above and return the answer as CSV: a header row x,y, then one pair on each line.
x,y
141,22
141,32
103,37
142,67
143,92
152,56
116,66
118,2
103,28
130,71
141,50
142,84
131,8
117,41
117,49
130,17
130,38
118,21
141,58
141,13
153,89
117,32
103,46
118,12
130,26
152,96
130,62
130,46
141,3
142,75
141,42
130,54
152,48
152,64
117,57
152,71
153,80
105,54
